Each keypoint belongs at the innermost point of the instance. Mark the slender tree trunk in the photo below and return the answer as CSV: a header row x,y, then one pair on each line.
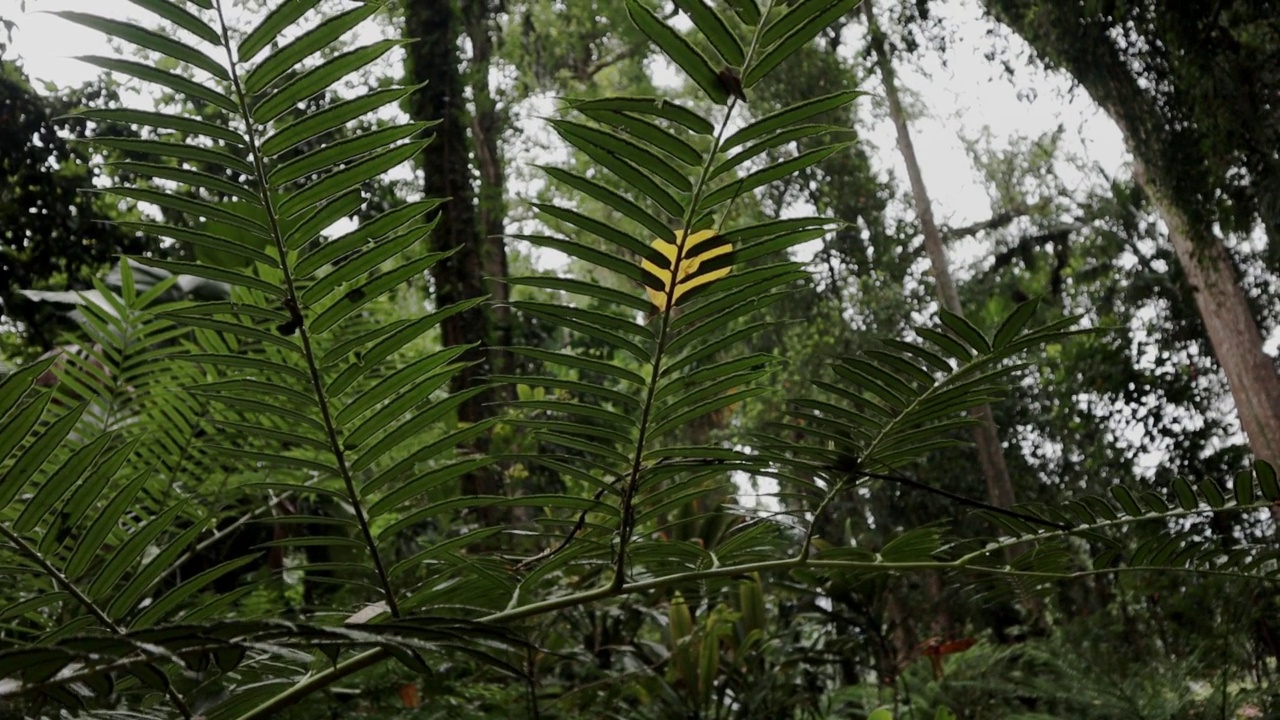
x,y
487,124
1174,173
990,452
434,60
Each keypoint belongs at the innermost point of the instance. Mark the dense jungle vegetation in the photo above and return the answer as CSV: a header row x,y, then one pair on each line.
x,y
563,359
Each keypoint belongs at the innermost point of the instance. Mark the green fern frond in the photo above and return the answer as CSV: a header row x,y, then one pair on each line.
x,y
670,171
73,497
291,286
1107,523
295,394
895,403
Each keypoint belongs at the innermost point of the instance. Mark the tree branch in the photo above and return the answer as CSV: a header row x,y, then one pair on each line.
x,y
998,220
599,66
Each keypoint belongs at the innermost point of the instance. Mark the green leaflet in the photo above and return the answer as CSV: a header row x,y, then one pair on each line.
x,y
25,466
316,80
283,16
179,16
375,287
164,121
311,42
379,346
776,140
611,199
341,152
790,117
173,599
393,383
604,231
105,520
150,40
695,65
656,107
163,78
331,117
651,134
193,178
716,30
796,37
59,483
347,179
177,150
766,175
586,289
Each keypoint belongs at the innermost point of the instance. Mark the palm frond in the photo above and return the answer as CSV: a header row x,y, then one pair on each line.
x,y
695,287
290,390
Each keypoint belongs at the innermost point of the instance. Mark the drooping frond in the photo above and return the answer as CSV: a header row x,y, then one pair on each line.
x,y
1112,525
895,404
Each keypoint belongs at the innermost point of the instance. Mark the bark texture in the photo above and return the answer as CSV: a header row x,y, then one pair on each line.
x,y
1235,337
487,124
1173,169
434,59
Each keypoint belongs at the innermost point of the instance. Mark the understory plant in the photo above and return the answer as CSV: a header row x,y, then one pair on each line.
x,y
222,507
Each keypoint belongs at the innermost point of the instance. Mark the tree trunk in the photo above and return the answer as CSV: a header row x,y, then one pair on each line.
x,y
487,125
1233,334
434,60
990,452
1172,169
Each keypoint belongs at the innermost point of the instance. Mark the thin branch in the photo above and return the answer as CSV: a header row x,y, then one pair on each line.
x,y
599,66
998,220
963,500
1044,237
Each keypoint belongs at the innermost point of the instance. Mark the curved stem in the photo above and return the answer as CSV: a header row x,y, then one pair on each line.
x,y
1118,522
627,525
369,658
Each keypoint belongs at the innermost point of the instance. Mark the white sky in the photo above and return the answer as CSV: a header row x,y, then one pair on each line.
x,y
962,98
972,92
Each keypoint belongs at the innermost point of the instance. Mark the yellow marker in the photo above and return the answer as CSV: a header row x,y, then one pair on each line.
x,y
692,258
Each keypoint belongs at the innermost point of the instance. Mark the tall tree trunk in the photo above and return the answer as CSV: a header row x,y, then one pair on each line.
x,y
990,452
1233,333
1173,171
434,60
487,124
